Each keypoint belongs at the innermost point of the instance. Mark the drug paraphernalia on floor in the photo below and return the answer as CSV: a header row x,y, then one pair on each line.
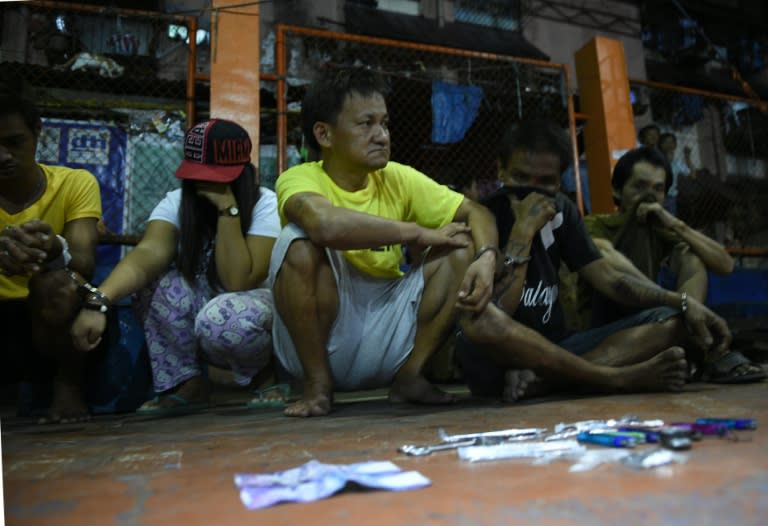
x,y
314,481
520,450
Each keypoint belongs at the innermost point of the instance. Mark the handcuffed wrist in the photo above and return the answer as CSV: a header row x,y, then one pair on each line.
x,y
514,261
487,248
91,298
62,260
97,301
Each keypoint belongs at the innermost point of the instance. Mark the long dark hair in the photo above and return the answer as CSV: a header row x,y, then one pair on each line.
x,y
199,218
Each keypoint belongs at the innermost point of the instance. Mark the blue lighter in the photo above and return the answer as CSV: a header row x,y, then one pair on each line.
x,y
606,440
651,434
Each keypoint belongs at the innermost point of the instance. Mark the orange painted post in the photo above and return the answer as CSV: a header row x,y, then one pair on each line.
x,y
235,49
281,95
601,70
191,72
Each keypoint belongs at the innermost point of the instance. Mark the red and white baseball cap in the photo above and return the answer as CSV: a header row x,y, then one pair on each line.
x,y
216,150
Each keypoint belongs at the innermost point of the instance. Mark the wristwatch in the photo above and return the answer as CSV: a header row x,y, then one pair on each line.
x,y
230,211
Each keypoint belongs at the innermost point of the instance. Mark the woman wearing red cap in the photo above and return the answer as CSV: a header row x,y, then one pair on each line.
x,y
205,255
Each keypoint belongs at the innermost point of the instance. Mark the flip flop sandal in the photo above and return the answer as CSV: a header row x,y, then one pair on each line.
x,y
260,401
182,407
722,370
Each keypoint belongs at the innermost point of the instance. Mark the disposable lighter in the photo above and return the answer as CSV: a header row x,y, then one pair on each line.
x,y
606,440
651,435
703,429
730,423
639,436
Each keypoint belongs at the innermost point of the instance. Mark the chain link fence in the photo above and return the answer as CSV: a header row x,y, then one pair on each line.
x,y
718,151
448,108
113,89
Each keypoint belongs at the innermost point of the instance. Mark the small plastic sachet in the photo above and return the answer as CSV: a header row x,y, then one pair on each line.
x,y
555,448
314,481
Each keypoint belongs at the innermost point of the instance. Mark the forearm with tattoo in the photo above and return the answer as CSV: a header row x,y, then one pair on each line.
x,y
508,290
509,278
516,248
630,290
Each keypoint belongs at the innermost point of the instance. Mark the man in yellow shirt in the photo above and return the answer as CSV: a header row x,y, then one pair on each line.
x,y
347,316
48,235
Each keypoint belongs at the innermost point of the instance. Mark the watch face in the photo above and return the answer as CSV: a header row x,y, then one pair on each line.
x,y
233,210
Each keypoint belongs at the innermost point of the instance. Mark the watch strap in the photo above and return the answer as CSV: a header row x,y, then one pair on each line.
x,y
229,211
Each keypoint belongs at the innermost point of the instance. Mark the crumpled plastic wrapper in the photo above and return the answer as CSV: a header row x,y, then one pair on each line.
x,y
653,458
314,481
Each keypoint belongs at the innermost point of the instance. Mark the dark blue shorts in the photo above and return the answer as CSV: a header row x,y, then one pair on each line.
x,y
485,378
583,342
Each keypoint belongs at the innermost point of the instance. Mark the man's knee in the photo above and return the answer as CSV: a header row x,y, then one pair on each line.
x,y
304,257
455,261
463,256
685,261
305,267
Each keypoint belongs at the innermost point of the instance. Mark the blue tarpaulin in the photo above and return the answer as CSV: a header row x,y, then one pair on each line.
x,y
454,109
98,147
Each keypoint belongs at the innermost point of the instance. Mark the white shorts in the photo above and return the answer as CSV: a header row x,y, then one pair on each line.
x,y
374,331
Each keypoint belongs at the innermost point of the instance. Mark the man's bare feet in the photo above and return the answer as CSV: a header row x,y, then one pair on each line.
x,y
667,371
522,383
416,389
68,405
316,400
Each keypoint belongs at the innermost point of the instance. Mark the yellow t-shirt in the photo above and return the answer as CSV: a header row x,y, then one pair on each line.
x,y
395,192
69,194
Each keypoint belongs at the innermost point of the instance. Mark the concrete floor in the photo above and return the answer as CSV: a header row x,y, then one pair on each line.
x,y
133,470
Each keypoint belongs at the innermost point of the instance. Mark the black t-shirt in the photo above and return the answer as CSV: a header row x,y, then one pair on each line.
x,y
563,238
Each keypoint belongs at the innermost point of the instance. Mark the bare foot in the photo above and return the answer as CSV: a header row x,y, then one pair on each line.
x,y
522,383
667,371
192,391
316,400
67,406
416,389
